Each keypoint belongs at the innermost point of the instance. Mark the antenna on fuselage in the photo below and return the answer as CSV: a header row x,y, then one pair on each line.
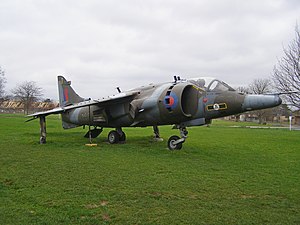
x,y
119,90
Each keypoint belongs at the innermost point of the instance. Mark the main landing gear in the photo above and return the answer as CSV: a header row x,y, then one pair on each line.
x,y
116,136
175,142
156,134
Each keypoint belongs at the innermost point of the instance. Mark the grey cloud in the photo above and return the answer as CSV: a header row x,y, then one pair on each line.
x,y
129,43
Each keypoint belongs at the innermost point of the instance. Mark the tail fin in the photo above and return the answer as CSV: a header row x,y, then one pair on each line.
x,y
67,96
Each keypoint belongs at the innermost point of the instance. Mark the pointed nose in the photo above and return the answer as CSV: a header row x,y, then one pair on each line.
x,y
254,102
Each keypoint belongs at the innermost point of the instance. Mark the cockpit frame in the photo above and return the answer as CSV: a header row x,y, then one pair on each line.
x,y
211,84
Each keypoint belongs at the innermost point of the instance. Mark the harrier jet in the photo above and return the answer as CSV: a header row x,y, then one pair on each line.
x,y
181,102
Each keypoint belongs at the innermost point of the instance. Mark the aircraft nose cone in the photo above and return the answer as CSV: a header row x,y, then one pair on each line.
x,y
277,100
254,102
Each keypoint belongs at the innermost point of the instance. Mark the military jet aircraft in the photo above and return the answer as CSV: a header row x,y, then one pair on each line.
x,y
181,102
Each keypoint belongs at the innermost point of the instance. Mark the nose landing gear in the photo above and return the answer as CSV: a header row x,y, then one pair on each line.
x,y
175,142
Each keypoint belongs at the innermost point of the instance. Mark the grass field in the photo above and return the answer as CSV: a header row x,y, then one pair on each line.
x,y
222,175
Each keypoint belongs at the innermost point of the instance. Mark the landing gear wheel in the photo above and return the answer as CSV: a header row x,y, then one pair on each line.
x,y
42,140
113,137
171,144
123,137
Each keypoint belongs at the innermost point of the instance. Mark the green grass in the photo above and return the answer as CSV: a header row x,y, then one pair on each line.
x,y
222,175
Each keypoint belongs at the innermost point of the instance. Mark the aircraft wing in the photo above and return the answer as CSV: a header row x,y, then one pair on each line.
x,y
110,100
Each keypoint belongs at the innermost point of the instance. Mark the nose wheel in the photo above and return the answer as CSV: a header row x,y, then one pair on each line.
x,y
175,142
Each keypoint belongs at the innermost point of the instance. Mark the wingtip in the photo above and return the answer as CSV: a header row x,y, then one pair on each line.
x,y
33,118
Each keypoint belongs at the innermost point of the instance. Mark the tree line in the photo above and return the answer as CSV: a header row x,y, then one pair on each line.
x,y
285,79
27,92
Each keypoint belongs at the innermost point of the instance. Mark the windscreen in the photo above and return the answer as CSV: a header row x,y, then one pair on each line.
x,y
211,84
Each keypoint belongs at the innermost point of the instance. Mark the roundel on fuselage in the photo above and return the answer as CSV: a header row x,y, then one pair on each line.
x,y
171,101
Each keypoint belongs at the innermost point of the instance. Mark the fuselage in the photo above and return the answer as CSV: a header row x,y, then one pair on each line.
x,y
191,102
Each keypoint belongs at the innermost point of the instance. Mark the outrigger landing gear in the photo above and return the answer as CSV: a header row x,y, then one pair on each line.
x,y
43,129
175,142
116,136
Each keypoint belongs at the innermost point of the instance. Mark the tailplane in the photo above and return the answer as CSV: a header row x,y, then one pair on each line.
x,y
67,96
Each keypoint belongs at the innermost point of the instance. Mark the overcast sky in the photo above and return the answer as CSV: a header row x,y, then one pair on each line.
x,y
101,44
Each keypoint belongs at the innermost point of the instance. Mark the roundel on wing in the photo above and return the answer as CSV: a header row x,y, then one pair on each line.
x,y
171,101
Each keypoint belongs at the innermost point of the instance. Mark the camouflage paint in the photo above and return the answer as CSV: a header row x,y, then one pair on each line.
x,y
182,103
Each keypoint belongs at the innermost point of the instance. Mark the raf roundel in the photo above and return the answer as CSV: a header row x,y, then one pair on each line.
x,y
171,101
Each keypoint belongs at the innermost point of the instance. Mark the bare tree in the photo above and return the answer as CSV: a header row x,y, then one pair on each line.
x,y
286,74
27,92
261,86
2,83
243,89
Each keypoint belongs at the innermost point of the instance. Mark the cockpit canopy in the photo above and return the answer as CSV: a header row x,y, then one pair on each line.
x,y
210,84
